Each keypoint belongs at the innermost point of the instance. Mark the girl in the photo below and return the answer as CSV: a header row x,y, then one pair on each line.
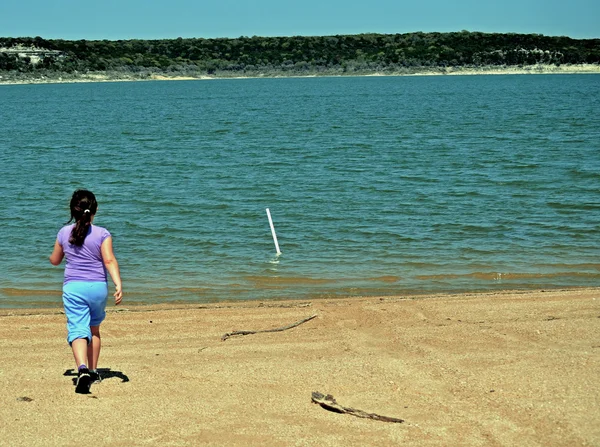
x,y
89,252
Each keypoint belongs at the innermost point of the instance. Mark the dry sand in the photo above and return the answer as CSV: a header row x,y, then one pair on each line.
x,y
509,369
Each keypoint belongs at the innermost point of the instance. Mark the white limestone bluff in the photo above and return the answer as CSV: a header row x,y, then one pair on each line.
x,y
34,54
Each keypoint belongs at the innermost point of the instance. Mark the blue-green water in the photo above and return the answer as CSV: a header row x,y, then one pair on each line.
x,y
377,186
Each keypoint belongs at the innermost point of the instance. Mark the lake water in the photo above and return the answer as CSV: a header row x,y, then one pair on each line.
x,y
376,185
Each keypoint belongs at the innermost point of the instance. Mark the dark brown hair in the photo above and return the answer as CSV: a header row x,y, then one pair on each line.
x,y
83,208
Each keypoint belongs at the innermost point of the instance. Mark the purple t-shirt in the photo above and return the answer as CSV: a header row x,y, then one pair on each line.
x,y
84,263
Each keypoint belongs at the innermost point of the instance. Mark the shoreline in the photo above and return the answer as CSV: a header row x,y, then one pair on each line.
x,y
450,71
165,303
300,302
504,368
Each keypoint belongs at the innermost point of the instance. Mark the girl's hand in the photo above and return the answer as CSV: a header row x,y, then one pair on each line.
x,y
118,295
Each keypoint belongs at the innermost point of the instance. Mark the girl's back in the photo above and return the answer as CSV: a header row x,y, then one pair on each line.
x,y
84,263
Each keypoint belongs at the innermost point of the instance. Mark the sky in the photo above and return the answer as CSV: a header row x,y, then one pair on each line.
x,y
160,19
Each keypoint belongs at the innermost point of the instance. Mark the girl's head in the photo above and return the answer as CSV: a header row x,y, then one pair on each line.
x,y
83,208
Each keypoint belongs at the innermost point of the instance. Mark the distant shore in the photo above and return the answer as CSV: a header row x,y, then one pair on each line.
x,y
57,78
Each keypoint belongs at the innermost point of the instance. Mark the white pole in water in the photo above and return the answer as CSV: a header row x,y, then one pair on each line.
x,y
273,231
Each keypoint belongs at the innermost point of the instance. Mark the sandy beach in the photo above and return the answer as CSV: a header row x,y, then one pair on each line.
x,y
494,369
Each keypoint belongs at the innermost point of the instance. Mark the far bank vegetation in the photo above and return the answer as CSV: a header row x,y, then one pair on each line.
x,y
35,57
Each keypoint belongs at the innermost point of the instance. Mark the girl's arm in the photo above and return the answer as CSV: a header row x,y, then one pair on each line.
x,y
57,254
111,264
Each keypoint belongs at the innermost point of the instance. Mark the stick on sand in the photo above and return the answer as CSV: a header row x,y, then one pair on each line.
x,y
329,403
297,323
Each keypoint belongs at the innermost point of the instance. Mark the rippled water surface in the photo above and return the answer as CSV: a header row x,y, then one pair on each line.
x,y
376,185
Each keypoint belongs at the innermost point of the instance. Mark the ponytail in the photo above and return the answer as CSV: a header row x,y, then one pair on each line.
x,y
83,208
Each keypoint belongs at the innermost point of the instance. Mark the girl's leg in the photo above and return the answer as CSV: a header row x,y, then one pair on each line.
x,y
78,319
93,349
80,351
97,304
79,346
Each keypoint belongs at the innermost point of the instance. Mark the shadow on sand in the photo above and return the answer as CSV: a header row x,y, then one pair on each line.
x,y
105,374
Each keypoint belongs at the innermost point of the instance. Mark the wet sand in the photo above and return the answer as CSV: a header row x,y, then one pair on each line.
x,y
494,369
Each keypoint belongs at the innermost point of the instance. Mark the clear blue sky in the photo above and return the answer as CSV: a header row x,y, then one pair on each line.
x,y
159,19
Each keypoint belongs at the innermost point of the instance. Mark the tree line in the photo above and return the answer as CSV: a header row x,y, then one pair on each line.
x,y
295,55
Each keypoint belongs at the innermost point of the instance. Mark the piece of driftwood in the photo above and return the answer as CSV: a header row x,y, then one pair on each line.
x,y
329,403
280,329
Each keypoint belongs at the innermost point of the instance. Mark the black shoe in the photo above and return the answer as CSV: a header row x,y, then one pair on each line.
x,y
83,381
95,377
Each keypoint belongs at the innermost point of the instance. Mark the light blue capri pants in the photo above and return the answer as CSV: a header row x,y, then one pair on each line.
x,y
85,304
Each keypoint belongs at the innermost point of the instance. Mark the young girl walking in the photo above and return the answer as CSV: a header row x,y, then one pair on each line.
x,y
89,255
